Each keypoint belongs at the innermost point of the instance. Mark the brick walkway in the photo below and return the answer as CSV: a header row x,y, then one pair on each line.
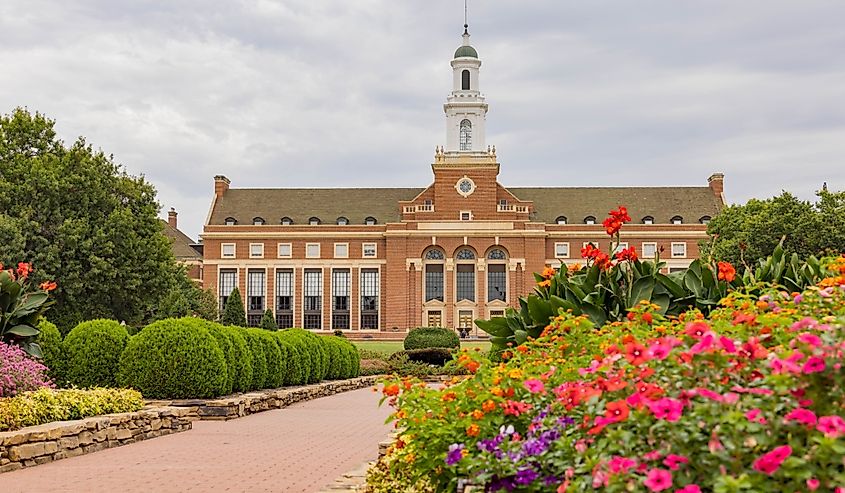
x,y
301,448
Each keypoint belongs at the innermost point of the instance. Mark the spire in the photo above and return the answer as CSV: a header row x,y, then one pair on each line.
x,y
466,22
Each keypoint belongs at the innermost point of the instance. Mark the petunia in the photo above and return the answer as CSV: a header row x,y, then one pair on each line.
x,y
690,488
754,416
811,339
831,426
666,408
801,415
673,461
770,462
455,454
813,365
534,386
621,465
659,350
658,479
636,353
696,329
813,484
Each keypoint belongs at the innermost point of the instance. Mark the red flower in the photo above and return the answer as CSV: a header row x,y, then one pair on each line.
x,y
770,462
590,251
620,214
629,254
24,269
611,226
636,353
616,411
47,286
726,272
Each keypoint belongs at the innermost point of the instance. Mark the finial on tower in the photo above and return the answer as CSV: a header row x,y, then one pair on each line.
x,y
466,23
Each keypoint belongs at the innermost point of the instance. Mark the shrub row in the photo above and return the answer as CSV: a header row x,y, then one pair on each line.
x,y
46,405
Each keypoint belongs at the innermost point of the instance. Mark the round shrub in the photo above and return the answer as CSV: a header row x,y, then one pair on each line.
x,y
294,358
225,342
356,361
337,365
242,364
259,358
426,337
315,351
276,367
50,342
174,359
92,353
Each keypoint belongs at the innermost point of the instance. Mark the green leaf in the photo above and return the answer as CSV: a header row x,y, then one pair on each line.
x,y
540,310
520,336
641,290
676,289
497,326
23,331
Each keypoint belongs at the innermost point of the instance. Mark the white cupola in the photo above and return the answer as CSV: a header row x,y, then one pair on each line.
x,y
466,110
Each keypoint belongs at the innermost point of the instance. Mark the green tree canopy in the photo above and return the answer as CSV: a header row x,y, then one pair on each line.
x,y
268,321
233,312
750,232
83,221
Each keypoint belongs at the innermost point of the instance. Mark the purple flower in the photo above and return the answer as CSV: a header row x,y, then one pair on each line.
x,y
526,475
535,447
455,454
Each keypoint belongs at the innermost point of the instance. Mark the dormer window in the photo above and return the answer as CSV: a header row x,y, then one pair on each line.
x,y
677,220
704,220
286,221
314,221
231,221
648,220
258,221
342,221
590,220
560,220
370,221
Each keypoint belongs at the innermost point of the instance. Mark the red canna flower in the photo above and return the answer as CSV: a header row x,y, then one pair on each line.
x,y
47,286
726,272
629,254
24,269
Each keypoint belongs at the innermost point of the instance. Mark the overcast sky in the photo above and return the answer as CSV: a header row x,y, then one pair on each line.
x,y
345,93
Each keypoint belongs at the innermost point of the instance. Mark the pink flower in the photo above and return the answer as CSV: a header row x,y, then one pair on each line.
x,y
802,415
671,461
730,398
659,350
770,462
658,479
706,342
813,484
653,455
709,394
755,391
831,426
534,386
811,339
727,344
690,488
666,408
696,329
621,465
813,365
754,416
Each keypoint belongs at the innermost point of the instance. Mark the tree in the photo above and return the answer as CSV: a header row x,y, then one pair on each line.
x,y
750,232
186,298
268,321
233,312
82,221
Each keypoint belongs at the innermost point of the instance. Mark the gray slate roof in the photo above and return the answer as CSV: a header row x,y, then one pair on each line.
x,y
180,243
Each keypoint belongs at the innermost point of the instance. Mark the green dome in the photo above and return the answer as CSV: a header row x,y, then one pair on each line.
x,y
466,51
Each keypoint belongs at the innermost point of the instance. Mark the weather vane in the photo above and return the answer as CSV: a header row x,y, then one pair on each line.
x,y
466,24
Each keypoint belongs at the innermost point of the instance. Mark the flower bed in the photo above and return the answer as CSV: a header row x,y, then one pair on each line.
x,y
46,405
748,399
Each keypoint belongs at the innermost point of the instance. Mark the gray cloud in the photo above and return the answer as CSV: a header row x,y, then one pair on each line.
x,y
342,93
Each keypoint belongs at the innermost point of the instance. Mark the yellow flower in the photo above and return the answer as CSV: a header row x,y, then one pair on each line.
x,y
516,373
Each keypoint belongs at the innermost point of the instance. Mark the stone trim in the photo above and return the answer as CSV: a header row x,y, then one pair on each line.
x,y
37,445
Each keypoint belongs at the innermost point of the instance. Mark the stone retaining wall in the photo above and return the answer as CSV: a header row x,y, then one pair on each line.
x,y
53,441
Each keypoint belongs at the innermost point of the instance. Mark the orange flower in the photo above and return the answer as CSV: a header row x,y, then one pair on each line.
x,y
448,396
24,269
477,414
548,273
629,254
488,406
473,430
574,267
47,286
391,390
726,272
545,284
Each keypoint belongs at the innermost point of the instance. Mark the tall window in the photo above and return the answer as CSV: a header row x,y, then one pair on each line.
x,y
340,298
466,135
434,275
284,298
255,288
228,278
465,80
313,292
465,275
497,276
369,298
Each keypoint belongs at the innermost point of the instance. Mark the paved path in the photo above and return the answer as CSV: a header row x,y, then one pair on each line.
x,y
301,448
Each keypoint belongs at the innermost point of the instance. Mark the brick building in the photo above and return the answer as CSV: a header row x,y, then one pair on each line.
x,y
465,247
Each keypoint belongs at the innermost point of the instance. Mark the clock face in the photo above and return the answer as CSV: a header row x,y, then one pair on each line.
x,y
465,186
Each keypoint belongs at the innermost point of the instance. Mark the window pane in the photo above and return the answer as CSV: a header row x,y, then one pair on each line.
x,y
465,282
369,298
256,287
312,250
226,285
434,282
496,282
284,250
341,250
649,250
369,249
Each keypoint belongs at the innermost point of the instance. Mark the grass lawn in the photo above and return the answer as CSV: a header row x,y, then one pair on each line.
x,y
393,346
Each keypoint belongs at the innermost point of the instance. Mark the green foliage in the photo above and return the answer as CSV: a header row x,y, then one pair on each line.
x,y
241,367
50,342
48,405
374,367
78,217
187,299
268,321
315,351
343,358
296,360
436,356
748,233
92,353
233,312
427,337
174,359
259,358
225,341
276,365
21,305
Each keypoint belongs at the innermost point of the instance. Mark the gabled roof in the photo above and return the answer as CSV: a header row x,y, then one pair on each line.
x,y
300,204
182,244
661,203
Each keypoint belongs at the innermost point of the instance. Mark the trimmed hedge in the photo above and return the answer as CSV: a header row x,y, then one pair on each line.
x,y
296,360
224,340
315,349
174,359
50,341
276,366
437,356
48,405
343,358
259,358
243,360
92,353
429,337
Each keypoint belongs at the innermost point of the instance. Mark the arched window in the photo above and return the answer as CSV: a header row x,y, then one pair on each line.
x,y
434,275
434,254
561,220
465,275
370,221
314,221
231,221
258,221
465,80
465,254
342,221
497,275
704,220
590,220
677,220
466,135
497,254
648,220
286,221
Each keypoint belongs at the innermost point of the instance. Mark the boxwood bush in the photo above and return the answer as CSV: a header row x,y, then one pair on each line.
x,y
259,358
427,337
316,353
48,405
276,366
295,358
343,358
50,341
174,359
92,353
224,340
241,367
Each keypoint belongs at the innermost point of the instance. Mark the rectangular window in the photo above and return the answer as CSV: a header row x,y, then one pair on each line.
x,y
497,282
285,250
466,216
465,282
497,313
256,288
227,283
679,250
649,250
434,282
369,250
435,318
340,298
341,250
620,246
284,298
369,298
561,250
465,319
312,250
312,291
227,250
256,250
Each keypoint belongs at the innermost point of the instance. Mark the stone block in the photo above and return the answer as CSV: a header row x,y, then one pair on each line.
x,y
123,434
155,424
73,428
43,459
111,434
85,438
51,447
12,466
68,442
26,451
100,435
